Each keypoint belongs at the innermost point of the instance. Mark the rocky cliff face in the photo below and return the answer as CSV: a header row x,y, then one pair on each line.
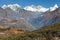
x,y
46,19
28,20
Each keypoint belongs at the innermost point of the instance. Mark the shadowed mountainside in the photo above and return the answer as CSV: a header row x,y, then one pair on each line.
x,y
28,20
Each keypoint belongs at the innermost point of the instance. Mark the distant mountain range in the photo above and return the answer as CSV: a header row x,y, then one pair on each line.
x,y
14,16
32,8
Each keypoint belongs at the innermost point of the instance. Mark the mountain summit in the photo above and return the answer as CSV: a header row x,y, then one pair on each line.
x,y
14,16
54,7
32,8
36,8
11,6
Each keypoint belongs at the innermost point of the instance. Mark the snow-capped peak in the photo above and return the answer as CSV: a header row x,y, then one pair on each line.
x,y
12,6
36,8
54,7
30,8
33,8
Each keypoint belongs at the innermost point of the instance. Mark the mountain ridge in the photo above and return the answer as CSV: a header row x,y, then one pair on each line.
x,y
31,8
35,20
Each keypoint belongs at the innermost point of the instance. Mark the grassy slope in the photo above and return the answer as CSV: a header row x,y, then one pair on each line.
x,y
45,32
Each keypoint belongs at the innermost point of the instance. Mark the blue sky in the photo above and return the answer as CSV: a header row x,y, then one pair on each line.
x,y
23,3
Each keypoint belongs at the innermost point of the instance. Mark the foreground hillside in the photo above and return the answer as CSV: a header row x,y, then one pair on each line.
x,y
11,31
50,32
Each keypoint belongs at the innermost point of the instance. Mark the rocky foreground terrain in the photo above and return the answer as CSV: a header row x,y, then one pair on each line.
x,y
50,32
11,31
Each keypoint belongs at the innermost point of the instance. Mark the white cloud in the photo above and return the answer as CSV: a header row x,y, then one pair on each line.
x,y
54,7
12,6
